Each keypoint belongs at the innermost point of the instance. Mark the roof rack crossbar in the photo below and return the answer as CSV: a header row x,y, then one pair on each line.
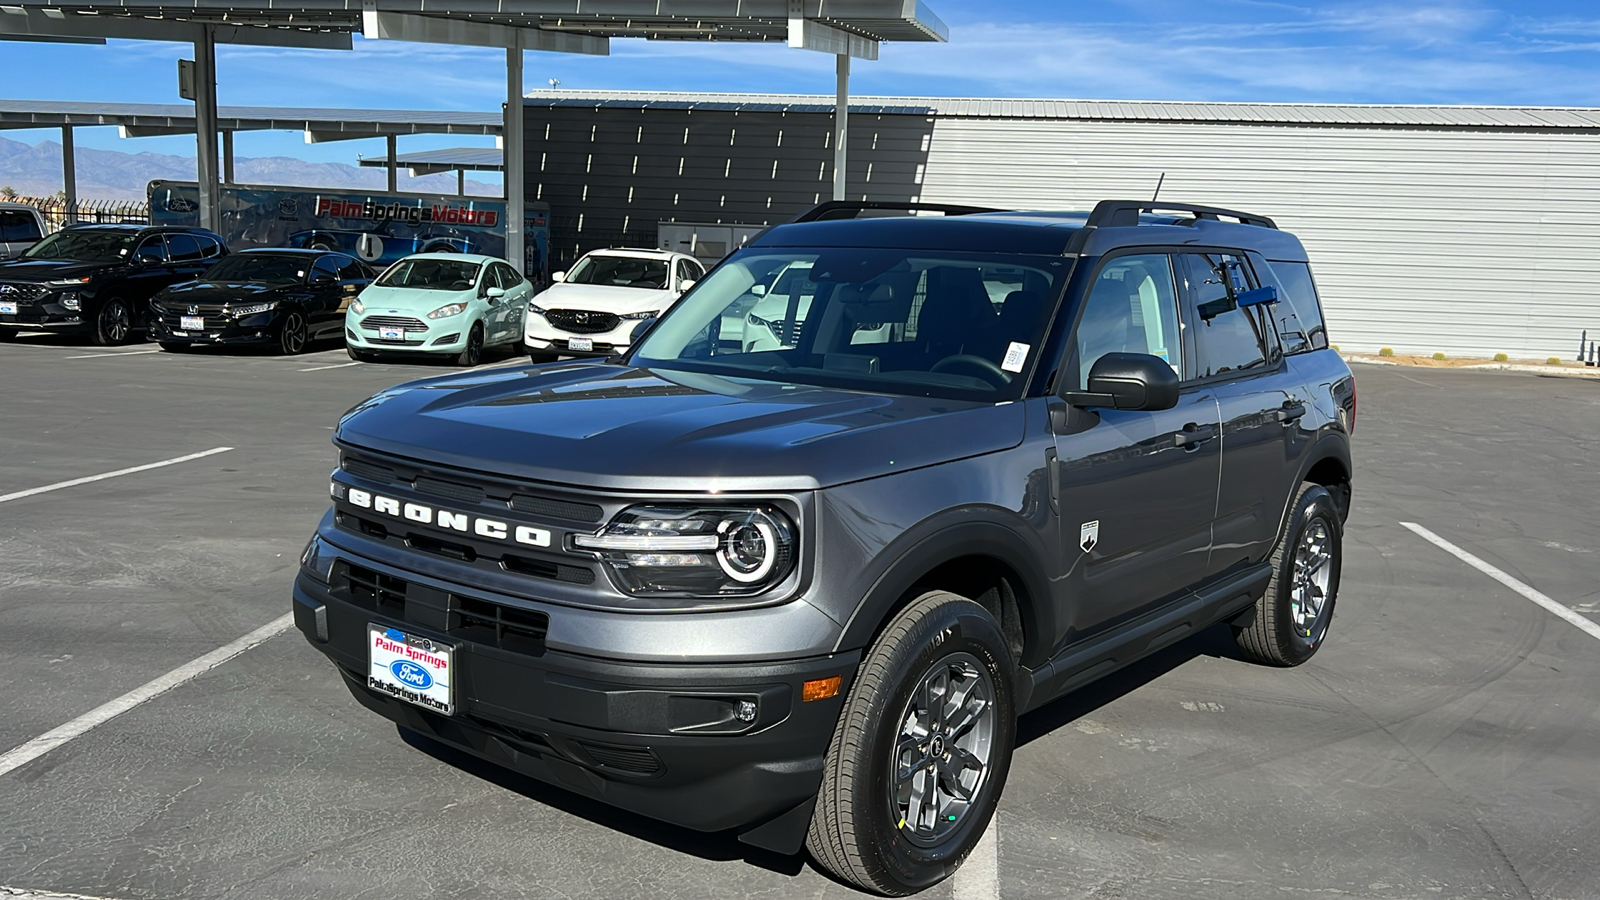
x,y
850,209
1126,212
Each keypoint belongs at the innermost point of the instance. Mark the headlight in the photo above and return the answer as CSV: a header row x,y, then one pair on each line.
x,y
695,551
250,309
358,307
317,560
67,282
640,316
448,310
535,309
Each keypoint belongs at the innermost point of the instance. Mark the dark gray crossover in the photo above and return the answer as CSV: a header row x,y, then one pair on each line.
x,y
873,488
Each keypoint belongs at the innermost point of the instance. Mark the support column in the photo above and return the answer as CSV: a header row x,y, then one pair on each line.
x,y
227,157
205,125
515,173
393,142
461,182
841,123
69,174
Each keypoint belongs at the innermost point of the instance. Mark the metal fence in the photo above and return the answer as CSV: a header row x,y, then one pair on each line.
x,y
57,212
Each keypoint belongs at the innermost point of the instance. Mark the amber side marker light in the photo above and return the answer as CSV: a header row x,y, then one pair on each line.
x,y
821,688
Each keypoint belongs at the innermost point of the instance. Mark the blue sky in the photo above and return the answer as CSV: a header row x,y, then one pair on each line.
x,y
1429,51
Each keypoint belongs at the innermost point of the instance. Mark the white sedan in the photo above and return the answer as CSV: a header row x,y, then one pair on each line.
x,y
593,309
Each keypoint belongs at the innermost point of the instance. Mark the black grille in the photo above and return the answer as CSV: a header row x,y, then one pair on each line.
x,y
372,590
368,470
506,627
582,321
373,323
21,292
556,509
634,760
439,488
540,568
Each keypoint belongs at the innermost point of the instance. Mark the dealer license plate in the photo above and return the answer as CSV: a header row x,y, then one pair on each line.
x,y
414,669
581,344
192,323
391,334
8,307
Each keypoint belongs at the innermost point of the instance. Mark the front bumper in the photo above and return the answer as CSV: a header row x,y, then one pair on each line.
x,y
45,313
436,336
659,739
260,328
539,334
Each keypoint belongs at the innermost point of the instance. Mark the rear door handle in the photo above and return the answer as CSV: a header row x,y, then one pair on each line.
x,y
1193,435
1292,410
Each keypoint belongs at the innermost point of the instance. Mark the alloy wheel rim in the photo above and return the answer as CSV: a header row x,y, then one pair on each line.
x,y
293,334
944,749
1313,572
115,319
474,347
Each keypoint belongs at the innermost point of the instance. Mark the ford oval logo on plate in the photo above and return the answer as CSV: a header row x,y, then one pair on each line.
x,y
408,672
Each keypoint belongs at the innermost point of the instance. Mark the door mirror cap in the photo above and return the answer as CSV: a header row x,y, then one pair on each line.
x,y
144,258
760,290
558,277
685,284
1136,381
495,293
323,279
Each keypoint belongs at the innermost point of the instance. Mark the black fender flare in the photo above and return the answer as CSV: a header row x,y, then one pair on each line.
x,y
937,541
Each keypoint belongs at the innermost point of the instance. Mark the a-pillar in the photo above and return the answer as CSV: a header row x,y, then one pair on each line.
x,y
69,173
205,125
515,174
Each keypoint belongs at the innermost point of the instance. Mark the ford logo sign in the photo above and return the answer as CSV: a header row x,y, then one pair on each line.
x,y
408,672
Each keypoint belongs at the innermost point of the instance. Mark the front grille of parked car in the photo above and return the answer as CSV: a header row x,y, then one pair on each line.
x,y
373,323
22,293
468,618
174,320
556,509
633,760
582,321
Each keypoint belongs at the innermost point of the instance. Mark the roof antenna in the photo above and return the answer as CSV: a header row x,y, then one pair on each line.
x,y
1158,187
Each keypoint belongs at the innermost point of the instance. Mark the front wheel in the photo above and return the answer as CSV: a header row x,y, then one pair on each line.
x,y
921,751
471,354
292,336
1290,621
114,323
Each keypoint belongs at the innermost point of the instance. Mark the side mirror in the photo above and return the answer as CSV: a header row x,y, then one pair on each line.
x,y
760,290
495,293
640,330
1136,381
558,277
685,284
323,279
145,258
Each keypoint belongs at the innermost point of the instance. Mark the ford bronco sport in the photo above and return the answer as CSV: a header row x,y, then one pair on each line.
x,y
803,591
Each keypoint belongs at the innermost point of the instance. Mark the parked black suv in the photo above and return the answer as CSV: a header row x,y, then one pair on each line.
x,y
98,279
804,592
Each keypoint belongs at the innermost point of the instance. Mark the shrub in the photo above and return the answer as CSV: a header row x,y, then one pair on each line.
x,y
1501,357
1335,347
1553,361
1438,356
1386,351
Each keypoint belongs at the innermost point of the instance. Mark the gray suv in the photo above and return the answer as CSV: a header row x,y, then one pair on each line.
x,y
802,588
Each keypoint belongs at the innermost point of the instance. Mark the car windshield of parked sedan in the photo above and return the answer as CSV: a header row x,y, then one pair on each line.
x,y
263,268
620,271
924,323
431,274
84,246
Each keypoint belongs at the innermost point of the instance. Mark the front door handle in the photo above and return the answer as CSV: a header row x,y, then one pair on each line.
x,y
1291,410
1193,435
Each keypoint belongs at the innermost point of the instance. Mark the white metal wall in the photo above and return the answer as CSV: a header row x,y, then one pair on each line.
x,y
1468,243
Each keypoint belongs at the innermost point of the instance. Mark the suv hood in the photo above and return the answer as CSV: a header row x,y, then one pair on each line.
x,y
603,298
224,291
47,269
617,427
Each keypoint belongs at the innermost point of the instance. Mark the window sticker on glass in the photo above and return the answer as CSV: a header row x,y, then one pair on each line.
x,y
1016,355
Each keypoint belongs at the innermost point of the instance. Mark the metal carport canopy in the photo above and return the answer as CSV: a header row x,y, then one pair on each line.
x,y
845,28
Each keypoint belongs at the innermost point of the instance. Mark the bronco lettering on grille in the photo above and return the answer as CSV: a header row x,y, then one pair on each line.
x,y
451,521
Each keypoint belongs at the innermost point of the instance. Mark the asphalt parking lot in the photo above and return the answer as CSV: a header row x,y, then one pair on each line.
x,y
1442,744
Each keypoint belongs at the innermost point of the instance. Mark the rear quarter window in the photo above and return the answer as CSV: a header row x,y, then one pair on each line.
x,y
1298,312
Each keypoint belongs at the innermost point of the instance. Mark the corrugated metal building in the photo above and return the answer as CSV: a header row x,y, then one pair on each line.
x,y
1466,230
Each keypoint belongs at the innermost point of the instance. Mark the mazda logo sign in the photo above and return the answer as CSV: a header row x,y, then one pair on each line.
x,y
581,318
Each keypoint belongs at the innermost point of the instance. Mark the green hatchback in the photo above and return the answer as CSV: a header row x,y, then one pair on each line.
x,y
438,304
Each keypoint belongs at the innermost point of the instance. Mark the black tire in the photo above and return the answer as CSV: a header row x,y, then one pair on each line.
x,y
293,335
861,830
113,324
472,353
7,334
1291,620
173,346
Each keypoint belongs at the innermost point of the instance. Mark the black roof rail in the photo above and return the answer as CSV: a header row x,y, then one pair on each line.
x,y
1126,212
848,209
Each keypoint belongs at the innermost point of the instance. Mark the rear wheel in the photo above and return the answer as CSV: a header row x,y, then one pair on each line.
x,y
471,354
292,337
1290,621
114,323
921,751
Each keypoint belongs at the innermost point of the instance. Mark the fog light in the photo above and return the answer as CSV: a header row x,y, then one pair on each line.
x,y
746,711
821,688
69,300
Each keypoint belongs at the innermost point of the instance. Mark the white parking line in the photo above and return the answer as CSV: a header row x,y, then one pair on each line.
x,y
1588,626
16,893
18,495
979,877
113,353
320,368
54,738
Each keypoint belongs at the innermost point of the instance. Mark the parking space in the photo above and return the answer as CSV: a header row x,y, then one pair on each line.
x,y
1440,745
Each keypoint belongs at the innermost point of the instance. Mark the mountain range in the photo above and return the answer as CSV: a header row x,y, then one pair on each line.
x,y
34,170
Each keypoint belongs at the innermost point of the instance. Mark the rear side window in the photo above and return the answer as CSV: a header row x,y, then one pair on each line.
x,y
182,248
16,225
209,248
1227,337
1298,311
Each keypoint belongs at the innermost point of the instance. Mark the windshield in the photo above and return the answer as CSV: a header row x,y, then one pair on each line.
x,y
84,246
620,271
922,323
431,274
260,267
